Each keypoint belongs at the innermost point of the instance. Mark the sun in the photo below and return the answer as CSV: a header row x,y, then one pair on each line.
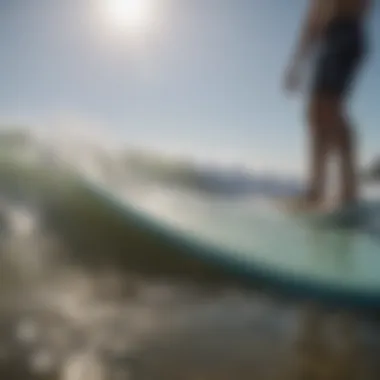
x,y
129,14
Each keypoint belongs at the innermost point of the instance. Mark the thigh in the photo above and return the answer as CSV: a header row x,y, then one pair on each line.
x,y
325,112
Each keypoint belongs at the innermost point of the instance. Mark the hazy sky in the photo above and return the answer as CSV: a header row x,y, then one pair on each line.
x,y
203,79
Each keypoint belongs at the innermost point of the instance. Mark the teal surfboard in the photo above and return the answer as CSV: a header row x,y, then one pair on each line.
x,y
360,215
261,242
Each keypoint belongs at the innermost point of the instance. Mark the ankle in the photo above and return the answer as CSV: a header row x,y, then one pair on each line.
x,y
349,198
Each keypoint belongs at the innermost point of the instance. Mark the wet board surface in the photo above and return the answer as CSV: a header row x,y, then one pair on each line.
x,y
363,215
261,240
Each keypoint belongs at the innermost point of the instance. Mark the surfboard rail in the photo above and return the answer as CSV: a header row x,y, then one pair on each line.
x,y
271,278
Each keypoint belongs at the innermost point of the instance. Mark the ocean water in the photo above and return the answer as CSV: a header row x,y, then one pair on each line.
x,y
65,316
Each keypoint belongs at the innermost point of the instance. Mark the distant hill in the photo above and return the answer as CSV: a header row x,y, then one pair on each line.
x,y
204,178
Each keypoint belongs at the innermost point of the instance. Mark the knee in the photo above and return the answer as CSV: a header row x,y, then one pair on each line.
x,y
340,127
327,118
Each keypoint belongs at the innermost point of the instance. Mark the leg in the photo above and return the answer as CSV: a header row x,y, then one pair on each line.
x,y
318,155
335,72
343,139
319,150
348,164
343,142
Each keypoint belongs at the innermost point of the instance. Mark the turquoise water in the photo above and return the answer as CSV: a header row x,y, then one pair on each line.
x,y
61,319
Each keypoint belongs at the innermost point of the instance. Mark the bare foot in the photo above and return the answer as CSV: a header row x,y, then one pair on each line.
x,y
301,204
345,203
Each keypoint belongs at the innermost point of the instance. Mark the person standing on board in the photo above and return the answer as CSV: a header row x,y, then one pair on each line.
x,y
336,29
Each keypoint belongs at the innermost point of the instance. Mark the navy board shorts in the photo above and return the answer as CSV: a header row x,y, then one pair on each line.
x,y
339,58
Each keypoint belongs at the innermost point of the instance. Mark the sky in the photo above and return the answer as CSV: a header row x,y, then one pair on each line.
x,y
202,79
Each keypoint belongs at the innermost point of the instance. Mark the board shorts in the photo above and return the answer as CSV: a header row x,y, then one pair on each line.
x,y
338,58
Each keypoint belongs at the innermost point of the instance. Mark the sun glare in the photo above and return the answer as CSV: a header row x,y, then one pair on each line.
x,y
129,14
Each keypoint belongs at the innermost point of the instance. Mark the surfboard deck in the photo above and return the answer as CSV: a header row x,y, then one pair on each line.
x,y
259,241
356,215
